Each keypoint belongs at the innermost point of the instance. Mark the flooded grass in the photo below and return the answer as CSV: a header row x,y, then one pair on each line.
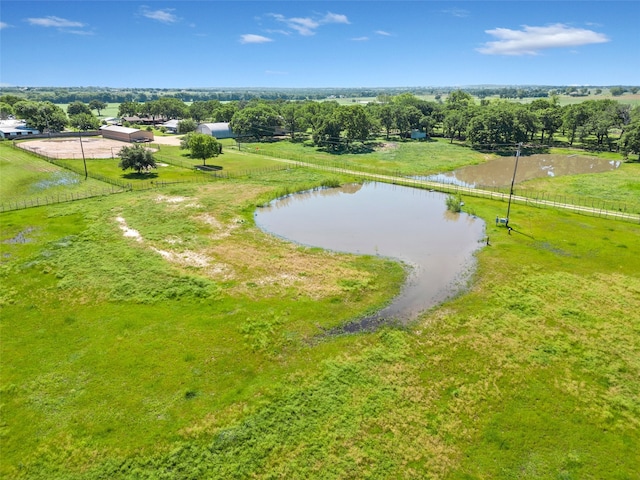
x,y
26,178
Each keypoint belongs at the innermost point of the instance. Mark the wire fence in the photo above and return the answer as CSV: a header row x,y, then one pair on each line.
x,y
586,206
583,205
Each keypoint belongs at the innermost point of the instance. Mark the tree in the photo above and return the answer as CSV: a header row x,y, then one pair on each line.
x,y
97,105
257,121
78,107
129,109
386,118
187,125
200,111
5,110
136,157
292,118
203,146
356,123
616,91
44,116
84,121
630,141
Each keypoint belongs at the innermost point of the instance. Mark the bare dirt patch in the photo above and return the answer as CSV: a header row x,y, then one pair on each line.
x,y
94,147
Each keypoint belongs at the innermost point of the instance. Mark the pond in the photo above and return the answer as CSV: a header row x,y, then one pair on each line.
x,y
499,172
408,224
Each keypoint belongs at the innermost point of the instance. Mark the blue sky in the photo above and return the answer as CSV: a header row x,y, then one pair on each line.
x,y
192,44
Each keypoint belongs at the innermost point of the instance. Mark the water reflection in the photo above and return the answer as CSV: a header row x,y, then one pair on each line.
x,y
499,172
409,224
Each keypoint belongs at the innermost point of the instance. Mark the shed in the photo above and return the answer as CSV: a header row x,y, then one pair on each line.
x,y
218,130
126,134
15,129
417,134
171,126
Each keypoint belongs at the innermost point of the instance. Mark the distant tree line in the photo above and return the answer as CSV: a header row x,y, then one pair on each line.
x,y
143,95
606,123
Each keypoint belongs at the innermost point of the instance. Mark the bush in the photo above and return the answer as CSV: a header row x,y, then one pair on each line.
x,y
454,203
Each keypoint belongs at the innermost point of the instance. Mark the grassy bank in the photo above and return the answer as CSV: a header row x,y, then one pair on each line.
x,y
160,334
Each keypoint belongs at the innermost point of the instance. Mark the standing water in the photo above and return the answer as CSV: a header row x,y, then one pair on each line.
x,y
411,225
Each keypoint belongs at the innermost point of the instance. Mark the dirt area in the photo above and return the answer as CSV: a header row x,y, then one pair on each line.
x,y
94,147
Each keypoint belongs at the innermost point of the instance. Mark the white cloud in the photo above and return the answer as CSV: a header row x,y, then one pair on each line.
x,y
53,21
251,38
457,12
307,26
304,26
531,40
163,15
360,39
4,25
383,33
335,18
80,32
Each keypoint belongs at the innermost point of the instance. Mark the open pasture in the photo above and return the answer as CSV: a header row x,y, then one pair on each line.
x,y
161,334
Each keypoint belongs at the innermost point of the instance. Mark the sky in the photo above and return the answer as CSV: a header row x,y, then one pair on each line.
x,y
307,44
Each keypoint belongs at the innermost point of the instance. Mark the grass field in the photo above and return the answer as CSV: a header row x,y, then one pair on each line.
x,y
160,334
25,178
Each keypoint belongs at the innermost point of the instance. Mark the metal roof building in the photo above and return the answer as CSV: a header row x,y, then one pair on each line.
x,y
126,134
218,130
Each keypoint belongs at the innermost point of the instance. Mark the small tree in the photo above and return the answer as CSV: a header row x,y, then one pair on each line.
x,y
204,146
187,125
137,158
76,108
97,105
84,121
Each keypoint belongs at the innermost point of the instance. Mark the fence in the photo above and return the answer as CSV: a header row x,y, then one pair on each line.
x,y
585,206
591,207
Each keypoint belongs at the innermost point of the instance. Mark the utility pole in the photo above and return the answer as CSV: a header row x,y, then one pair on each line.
x,y
513,180
84,160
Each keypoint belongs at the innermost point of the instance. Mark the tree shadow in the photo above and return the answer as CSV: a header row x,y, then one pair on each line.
x,y
140,176
208,168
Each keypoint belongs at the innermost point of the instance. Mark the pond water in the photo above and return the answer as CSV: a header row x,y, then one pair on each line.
x,y
411,225
499,172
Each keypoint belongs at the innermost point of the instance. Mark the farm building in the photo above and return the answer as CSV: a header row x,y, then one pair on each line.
x,y
15,129
171,126
125,134
218,130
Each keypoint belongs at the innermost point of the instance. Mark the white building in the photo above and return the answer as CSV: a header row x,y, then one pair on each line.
x,y
218,130
16,129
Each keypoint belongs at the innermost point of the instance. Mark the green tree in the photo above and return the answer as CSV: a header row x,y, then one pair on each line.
x,y
187,125
616,91
630,141
200,111
76,108
256,121
203,146
44,116
84,121
5,110
356,123
97,105
136,157
292,117
386,118
129,109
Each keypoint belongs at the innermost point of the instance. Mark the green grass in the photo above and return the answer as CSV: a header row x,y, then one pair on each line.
x,y
195,352
616,190
26,179
393,157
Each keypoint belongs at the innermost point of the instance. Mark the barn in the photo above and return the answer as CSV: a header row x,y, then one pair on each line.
x,y
218,130
126,134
